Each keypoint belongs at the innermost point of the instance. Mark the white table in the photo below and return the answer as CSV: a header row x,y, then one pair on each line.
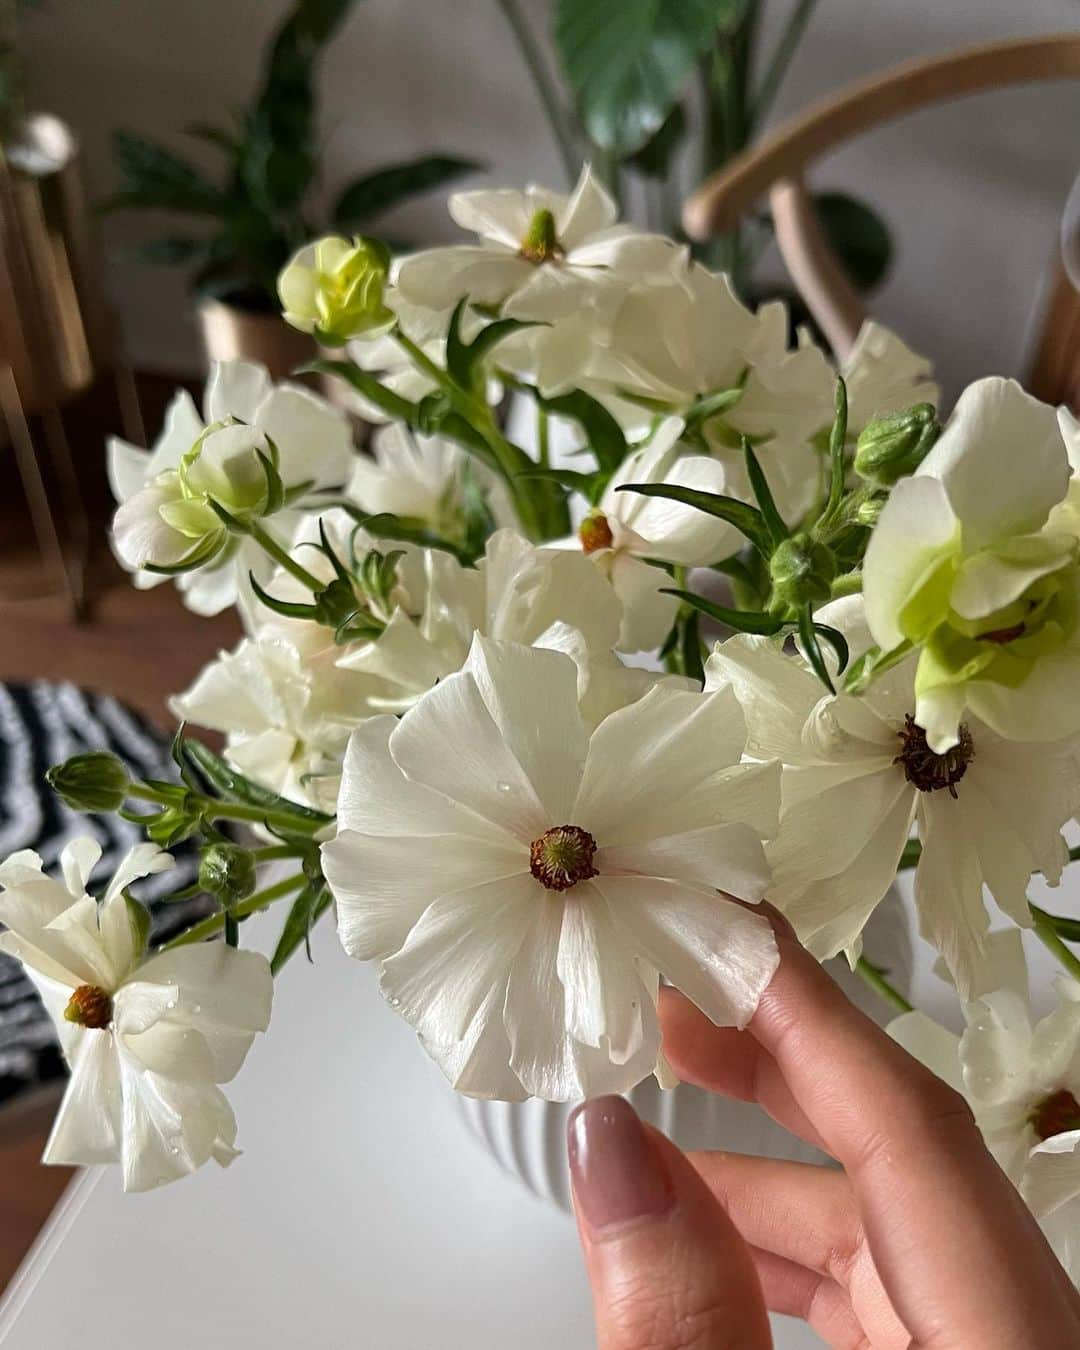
x,y
362,1214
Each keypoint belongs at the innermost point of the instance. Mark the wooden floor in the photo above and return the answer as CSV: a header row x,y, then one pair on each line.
x,y
138,645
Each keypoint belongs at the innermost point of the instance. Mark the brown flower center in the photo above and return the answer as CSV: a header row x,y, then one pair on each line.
x,y
928,771
89,1006
1058,1114
595,532
562,857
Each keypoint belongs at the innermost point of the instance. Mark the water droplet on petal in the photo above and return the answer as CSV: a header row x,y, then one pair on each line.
x,y
503,787
196,1008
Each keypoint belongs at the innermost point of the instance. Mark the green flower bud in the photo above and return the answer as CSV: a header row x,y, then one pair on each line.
x,y
867,512
94,781
802,571
334,289
228,871
893,446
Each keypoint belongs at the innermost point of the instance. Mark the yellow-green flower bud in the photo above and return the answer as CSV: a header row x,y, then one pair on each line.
x,y
893,446
228,871
94,781
334,289
802,571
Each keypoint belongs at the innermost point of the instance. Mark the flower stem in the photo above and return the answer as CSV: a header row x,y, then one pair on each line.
x,y
910,856
1046,930
875,978
544,86
543,439
216,810
780,59
216,922
269,544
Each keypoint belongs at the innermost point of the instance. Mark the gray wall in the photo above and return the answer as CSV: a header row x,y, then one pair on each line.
x,y
973,191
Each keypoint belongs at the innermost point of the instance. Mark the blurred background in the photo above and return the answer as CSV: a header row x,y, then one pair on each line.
x,y
948,220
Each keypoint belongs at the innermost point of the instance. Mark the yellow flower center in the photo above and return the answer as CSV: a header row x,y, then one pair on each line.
x,y
562,857
89,1006
595,532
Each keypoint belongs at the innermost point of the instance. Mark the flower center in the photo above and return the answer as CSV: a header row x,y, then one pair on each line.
x,y
89,1006
595,532
562,857
1058,1114
541,243
928,771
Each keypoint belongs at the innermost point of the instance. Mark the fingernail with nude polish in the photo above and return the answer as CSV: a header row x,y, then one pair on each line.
x,y
617,1172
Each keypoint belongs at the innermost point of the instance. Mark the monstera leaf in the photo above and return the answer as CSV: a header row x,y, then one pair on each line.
x,y
627,63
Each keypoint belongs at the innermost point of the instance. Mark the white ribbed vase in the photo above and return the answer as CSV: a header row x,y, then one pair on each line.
x,y
528,1139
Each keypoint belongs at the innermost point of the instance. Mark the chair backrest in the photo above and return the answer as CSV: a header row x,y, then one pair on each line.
x,y
776,165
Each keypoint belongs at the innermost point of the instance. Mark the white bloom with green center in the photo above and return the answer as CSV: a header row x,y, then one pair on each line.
x,y
165,519
1022,1080
858,774
963,566
523,884
147,1040
626,528
542,255
516,593
680,342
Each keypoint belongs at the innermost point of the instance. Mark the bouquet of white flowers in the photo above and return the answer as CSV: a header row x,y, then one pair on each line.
x,y
440,724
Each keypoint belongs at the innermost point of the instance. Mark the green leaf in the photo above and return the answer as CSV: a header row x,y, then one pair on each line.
x,y
837,642
654,157
857,235
812,649
745,621
745,518
628,62
774,522
590,485
404,530
398,408
153,177
233,786
382,188
463,358
304,913
603,433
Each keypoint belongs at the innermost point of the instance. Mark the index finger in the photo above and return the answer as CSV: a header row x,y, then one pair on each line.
x,y
935,1205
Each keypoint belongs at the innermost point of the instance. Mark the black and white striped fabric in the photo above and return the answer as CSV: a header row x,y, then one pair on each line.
x,y
41,724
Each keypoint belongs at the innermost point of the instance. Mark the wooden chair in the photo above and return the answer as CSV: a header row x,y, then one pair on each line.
x,y
777,163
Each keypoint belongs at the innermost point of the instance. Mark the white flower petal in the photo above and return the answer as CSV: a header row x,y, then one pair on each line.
x,y
171,1128
719,954
313,438
449,742
1002,461
461,945
727,858
479,1064
647,615
77,860
930,1044
88,1124
912,534
235,389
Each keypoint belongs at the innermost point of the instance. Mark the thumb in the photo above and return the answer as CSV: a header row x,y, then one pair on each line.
x,y
666,1266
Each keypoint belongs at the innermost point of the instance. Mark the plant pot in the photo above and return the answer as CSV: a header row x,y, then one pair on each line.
x,y
528,1139
232,334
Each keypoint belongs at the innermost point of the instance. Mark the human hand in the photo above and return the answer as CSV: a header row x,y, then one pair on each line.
x,y
920,1241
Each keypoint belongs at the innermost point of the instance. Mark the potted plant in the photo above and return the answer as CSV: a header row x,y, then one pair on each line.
x,y
629,108
247,221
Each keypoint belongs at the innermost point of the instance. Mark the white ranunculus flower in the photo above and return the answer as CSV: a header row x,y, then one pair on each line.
x,y
515,593
523,884
680,341
627,528
164,519
883,375
424,478
286,720
1022,1081
963,566
858,774
542,255
147,1040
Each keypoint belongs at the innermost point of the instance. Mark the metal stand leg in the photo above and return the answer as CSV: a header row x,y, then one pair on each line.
x,y
78,551
33,484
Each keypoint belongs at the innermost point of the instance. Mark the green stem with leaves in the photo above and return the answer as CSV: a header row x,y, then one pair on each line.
x,y
270,545
875,978
777,66
1050,935
214,924
212,809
